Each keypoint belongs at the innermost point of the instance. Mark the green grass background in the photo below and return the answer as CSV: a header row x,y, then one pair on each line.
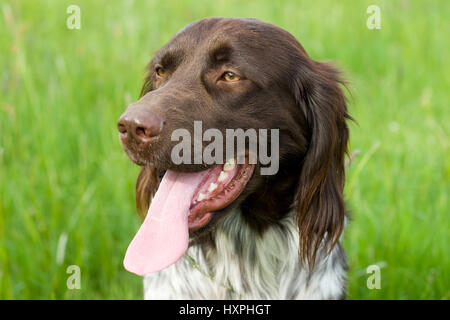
x,y
63,172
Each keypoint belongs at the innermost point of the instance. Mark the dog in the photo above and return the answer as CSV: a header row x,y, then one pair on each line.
x,y
248,235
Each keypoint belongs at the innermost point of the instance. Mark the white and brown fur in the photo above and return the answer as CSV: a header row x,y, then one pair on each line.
x,y
280,238
246,265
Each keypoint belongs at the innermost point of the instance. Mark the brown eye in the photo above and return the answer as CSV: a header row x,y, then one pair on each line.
x,y
160,71
230,77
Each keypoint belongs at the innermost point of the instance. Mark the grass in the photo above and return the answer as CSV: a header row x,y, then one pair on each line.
x,y
64,174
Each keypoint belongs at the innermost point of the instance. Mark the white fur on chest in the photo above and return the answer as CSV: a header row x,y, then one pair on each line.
x,y
247,266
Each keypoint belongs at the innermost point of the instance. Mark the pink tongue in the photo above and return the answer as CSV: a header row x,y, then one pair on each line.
x,y
164,236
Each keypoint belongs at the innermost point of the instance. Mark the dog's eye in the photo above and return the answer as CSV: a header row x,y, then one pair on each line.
x,y
160,71
230,76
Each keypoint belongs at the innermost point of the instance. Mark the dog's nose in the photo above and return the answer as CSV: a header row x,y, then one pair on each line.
x,y
140,124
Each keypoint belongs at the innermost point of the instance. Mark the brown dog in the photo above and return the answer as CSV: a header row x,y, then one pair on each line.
x,y
268,236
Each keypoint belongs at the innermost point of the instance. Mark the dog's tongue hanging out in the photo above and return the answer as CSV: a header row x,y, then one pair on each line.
x,y
164,236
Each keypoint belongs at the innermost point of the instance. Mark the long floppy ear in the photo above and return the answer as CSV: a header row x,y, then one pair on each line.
x,y
146,186
148,179
320,204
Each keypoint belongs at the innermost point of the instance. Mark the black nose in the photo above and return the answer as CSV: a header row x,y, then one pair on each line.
x,y
140,124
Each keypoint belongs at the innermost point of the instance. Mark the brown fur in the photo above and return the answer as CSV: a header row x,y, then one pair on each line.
x,y
281,87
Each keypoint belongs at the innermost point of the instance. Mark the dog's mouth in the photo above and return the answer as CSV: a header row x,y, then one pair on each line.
x,y
219,188
184,201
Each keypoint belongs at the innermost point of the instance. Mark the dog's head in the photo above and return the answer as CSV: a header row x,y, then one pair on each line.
x,y
222,74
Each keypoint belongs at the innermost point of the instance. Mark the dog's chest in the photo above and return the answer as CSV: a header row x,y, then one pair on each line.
x,y
247,266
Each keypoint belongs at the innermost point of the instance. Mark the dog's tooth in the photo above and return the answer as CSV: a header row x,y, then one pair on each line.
x,y
201,196
212,187
222,176
229,165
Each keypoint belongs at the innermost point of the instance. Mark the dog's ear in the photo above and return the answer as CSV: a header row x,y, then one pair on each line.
x,y
148,179
146,186
320,208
